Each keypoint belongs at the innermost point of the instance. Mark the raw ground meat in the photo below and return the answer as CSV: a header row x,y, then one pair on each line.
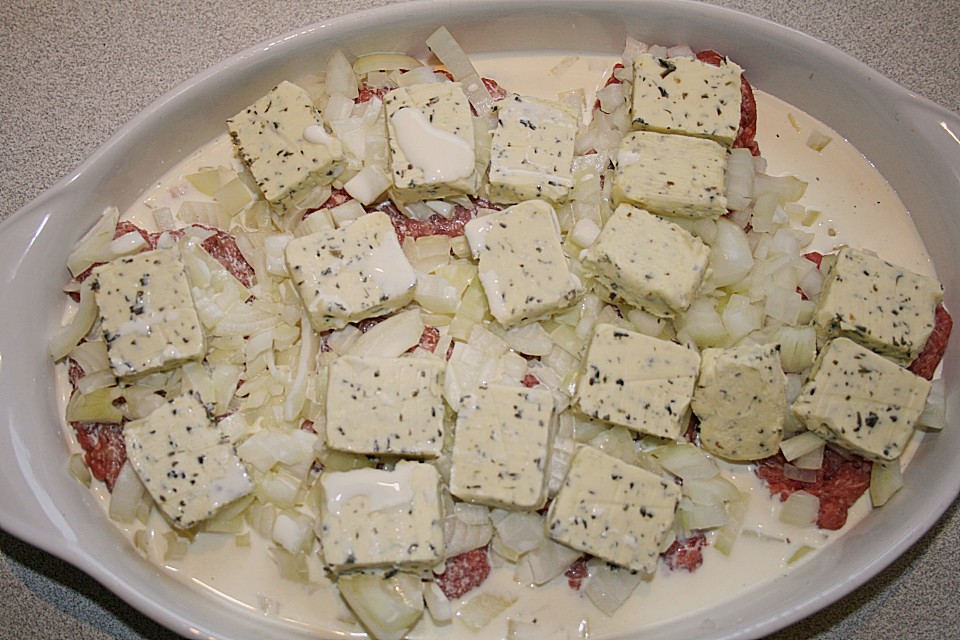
x,y
577,573
686,554
464,572
841,480
926,363
104,449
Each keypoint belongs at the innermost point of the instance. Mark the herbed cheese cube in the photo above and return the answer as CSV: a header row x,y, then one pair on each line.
x,y
740,399
671,175
613,510
647,261
147,313
185,461
380,518
523,269
501,447
861,400
639,382
348,274
531,150
884,307
432,146
281,139
386,406
686,96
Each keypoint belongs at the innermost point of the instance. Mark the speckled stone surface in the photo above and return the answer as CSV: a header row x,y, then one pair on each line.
x,y
71,73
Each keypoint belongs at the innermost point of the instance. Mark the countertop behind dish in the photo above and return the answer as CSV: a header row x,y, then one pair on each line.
x,y
72,73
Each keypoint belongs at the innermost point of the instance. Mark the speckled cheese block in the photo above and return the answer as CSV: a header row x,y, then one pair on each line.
x,y
385,406
636,381
185,461
269,136
380,518
671,175
861,400
531,150
613,510
147,315
523,269
647,262
740,400
884,307
444,123
686,96
354,272
501,447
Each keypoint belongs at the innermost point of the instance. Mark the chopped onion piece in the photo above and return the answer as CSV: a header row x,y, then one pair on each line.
x,y
885,480
368,185
793,448
384,62
517,533
437,603
126,495
452,55
70,335
609,586
730,255
94,245
390,338
817,140
686,461
482,608
340,78
800,509
934,416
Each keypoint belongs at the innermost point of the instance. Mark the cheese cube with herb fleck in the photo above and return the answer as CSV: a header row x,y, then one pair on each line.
x,y
281,138
861,400
884,307
636,381
501,446
381,518
531,150
671,175
686,96
185,461
432,146
348,274
385,406
740,399
147,313
647,262
523,270
613,510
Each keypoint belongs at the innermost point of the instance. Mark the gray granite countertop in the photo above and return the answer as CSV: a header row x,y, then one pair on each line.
x,y
71,73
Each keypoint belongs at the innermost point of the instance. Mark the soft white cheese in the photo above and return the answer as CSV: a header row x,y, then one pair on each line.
x,y
884,307
355,272
861,400
740,399
432,147
613,510
639,382
185,461
523,270
671,175
147,314
686,96
281,139
501,446
531,150
647,262
381,518
385,406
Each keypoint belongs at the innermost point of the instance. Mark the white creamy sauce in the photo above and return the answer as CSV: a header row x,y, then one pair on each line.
x,y
858,207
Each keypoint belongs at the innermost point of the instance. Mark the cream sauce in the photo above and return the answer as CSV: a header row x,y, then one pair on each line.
x,y
858,207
